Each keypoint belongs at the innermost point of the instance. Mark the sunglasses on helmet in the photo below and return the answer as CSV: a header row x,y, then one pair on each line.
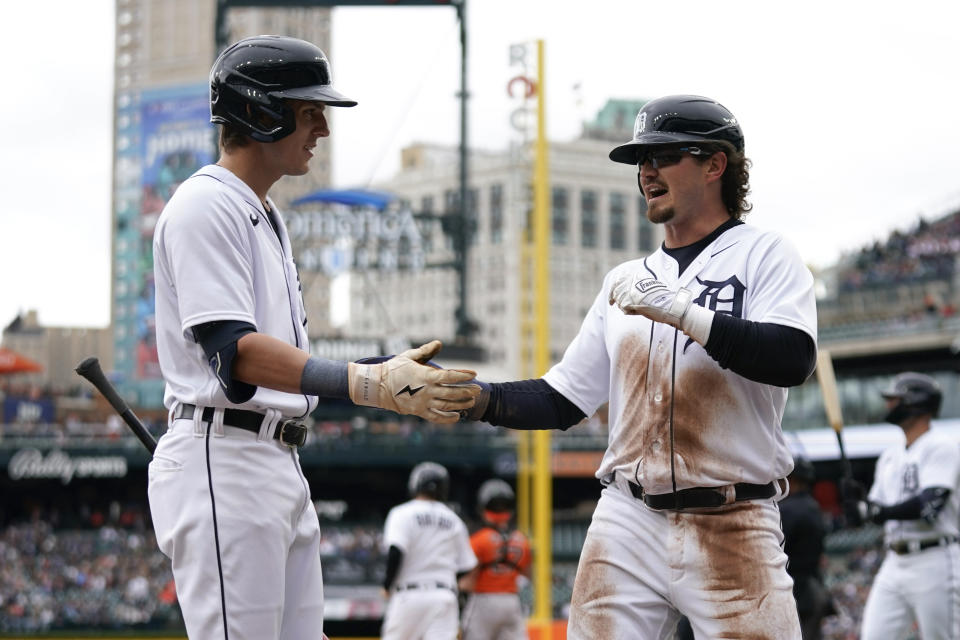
x,y
660,158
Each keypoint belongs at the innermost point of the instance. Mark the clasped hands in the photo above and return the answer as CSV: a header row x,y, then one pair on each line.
x,y
406,384
640,294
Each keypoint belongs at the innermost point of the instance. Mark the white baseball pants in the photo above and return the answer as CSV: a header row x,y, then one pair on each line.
x,y
922,587
724,568
234,515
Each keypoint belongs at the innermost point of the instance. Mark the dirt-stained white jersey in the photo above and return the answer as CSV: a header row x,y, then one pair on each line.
x,y
666,393
217,257
433,539
932,460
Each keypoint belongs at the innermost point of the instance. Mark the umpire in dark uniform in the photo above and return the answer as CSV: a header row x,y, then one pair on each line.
x,y
803,533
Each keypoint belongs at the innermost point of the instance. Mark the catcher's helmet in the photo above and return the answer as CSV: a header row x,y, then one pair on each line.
x,y
429,479
495,495
681,118
251,79
918,394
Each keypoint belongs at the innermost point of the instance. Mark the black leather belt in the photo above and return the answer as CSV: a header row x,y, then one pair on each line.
x,y
425,585
904,547
290,432
702,497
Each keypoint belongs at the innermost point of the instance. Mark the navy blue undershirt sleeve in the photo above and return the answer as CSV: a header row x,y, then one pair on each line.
x,y
218,340
762,351
394,558
926,505
530,404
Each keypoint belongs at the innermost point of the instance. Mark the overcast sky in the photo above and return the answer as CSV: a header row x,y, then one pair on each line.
x,y
849,111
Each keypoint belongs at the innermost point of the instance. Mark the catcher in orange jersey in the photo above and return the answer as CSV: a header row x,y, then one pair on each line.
x,y
493,608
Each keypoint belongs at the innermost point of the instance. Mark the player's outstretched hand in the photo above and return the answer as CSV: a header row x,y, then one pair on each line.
x,y
639,294
405,384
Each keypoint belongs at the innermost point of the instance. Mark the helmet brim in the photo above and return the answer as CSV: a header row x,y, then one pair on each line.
x,y
317,93
628,153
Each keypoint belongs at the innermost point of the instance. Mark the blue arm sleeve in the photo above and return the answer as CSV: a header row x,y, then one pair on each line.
x,y
219,343
926,505
762,351
394,558
529,404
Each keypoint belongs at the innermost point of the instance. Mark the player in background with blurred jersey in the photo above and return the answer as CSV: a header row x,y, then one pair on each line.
x,y
428,552
493,610
914,495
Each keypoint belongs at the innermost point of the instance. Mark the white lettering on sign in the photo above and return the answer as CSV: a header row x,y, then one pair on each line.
x,y
336,238
29,411
348,350
331,509
31,463
194,139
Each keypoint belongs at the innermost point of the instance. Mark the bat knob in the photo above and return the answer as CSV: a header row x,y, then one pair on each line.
x,y
87,365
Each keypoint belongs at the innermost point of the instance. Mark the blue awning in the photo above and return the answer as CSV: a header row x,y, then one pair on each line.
x,y
350,197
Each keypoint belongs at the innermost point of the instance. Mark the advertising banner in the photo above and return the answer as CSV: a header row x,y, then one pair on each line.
x,y
176,139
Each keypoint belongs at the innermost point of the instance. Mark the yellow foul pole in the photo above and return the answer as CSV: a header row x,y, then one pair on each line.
x,y
542,472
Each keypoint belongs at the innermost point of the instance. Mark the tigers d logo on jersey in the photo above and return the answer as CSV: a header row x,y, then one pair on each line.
x,y
724,296
721,296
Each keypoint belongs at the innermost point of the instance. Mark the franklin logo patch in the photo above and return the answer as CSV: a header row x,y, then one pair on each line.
x,y
648,284
408,390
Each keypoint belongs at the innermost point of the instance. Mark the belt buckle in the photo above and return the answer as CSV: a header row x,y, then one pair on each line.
x,y
292,433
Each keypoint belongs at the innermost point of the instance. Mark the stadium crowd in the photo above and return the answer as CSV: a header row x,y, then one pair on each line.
x,y
924,253
106,573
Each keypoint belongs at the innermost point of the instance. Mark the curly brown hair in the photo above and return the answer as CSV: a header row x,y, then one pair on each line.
x,y
735,184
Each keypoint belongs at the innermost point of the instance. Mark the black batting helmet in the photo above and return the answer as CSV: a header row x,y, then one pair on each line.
x,y
495,495
803,470
251,79
677,119
429,479
918,394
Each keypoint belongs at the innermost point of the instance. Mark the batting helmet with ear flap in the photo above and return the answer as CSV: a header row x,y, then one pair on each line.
x,y
918,394
252,78
495,495
679,119
429,479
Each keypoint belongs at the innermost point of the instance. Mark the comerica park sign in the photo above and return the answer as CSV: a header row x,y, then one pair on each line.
x,y
335,239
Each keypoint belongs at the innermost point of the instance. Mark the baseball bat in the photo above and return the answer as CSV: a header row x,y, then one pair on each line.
x,y
90,369
831,402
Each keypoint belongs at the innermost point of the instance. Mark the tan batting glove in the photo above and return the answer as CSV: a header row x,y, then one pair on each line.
x,y
404,385
639,294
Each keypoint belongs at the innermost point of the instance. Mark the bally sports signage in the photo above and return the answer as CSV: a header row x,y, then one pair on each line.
x,y
28,464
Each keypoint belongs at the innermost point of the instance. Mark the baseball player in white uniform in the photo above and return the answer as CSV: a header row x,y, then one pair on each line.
x,y
428,551
914,495
693,347
230,504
